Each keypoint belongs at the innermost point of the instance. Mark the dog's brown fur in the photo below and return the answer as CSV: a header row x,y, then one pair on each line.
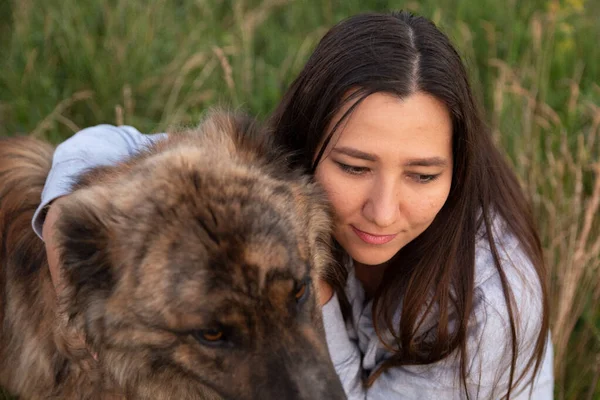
x,y
207,229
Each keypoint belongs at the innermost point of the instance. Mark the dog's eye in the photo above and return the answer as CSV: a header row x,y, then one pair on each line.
x,y
301,291
212,336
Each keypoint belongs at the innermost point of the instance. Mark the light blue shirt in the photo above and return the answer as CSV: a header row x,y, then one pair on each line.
x,y
354,347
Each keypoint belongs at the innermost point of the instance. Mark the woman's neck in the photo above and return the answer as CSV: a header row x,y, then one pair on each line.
x,y
370,276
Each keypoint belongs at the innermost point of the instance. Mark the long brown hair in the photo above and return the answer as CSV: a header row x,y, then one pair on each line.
x,y
400,54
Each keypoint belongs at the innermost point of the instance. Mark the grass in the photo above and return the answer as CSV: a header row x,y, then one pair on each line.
x,y
68,64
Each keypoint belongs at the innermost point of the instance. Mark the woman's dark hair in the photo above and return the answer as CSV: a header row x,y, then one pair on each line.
x,y
400,54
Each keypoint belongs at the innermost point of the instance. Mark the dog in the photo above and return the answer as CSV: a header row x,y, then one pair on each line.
x,y
189,269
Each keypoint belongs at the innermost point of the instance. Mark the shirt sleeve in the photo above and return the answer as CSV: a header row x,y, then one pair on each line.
x,y
488,349
91,147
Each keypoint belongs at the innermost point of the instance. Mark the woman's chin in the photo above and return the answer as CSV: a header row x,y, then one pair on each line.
x,y
371,257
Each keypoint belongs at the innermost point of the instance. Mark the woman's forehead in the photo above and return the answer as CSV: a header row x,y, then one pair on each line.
x,y
384,124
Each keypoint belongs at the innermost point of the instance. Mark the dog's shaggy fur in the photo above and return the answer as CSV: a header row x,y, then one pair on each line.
x,y
189,269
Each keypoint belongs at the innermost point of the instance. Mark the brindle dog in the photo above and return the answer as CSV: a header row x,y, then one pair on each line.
x,y
189,269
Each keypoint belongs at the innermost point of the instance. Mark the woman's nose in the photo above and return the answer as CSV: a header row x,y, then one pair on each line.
x,y
382,207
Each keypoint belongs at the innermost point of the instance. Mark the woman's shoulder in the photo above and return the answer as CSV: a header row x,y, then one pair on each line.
x,y
124,139
90,147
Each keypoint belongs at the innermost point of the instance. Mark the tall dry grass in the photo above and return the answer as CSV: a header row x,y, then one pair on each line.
x,y
556,152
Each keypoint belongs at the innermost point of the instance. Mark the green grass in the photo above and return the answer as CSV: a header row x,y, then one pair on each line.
x,y
68,64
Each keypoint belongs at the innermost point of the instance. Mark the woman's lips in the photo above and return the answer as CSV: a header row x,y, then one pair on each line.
x,y
372,239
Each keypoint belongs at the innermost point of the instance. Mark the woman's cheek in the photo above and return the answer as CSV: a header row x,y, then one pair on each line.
x,y
427,208
343,193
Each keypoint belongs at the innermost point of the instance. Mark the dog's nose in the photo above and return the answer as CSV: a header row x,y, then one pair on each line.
x,y
306,376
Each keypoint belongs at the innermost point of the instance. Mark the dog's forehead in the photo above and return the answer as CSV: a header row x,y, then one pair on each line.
x,y
210,206
234,204
250,235
211,174
262,242
229,194
270,253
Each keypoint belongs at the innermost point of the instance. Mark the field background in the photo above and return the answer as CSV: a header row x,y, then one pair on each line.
x,y
69,64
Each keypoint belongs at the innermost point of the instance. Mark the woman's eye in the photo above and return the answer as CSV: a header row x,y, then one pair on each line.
x,y
424,178
350,169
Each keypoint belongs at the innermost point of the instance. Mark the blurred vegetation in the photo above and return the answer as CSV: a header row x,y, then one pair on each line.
x,y
69,64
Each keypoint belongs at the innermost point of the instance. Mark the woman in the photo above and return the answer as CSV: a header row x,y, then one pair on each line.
x,y
440,289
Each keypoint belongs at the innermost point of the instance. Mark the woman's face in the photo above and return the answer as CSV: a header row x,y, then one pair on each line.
x,y
387,172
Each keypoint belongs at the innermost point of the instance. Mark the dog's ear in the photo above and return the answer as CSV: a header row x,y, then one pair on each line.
x,y
83,232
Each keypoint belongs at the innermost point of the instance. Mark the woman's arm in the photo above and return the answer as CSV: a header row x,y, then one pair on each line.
x,y
89,148
51,247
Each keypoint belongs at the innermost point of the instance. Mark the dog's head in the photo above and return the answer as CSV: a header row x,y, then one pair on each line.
x,y
192,267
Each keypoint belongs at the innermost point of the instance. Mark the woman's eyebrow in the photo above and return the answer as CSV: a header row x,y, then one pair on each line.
x,y
349,151
414,162
426,162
